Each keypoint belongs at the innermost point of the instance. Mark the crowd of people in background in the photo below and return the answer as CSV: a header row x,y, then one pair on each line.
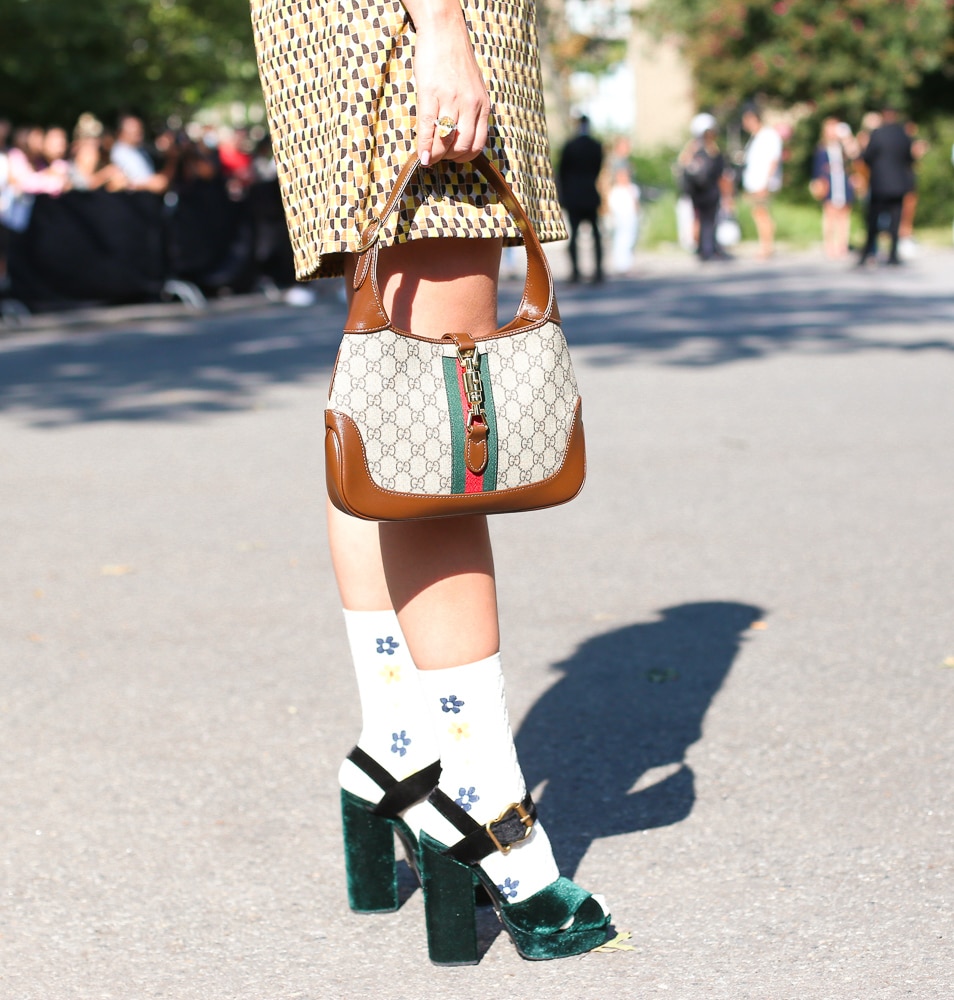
x,y
50,161
874,166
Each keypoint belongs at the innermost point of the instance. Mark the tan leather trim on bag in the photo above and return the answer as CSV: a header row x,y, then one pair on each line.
x,y
462,341
367,313
476,452
361,497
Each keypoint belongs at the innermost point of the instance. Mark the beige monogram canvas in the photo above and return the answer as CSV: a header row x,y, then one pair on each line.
x,y
535,394
393,388
337,79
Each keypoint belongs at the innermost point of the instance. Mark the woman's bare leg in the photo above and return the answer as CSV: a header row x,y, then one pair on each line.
x,y
439,574
765,227
844,230
829,227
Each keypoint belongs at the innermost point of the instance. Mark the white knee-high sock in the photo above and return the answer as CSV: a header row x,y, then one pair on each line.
x,y
395,727
480,772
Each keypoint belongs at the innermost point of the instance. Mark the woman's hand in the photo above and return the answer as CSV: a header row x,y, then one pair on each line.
x,y
448,81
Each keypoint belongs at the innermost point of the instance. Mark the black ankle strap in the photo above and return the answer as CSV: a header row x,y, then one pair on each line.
x,y
398,795
510,827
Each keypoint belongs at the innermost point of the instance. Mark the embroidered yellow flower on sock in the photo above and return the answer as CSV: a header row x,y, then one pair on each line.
x,y
391,673
460,730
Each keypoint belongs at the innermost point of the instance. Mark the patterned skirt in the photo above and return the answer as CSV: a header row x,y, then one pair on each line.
x,y
337,78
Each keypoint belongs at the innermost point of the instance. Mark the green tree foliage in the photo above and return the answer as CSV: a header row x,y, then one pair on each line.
x,y
936,175
59,58
844,57
831,57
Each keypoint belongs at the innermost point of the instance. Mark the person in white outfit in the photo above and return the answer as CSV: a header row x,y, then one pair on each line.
x,y
623,204
762,175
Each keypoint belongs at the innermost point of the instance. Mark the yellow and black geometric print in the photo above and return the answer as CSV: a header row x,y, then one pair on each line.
x,y
339,92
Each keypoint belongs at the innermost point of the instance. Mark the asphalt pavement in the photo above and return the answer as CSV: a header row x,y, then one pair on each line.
x,y
730,662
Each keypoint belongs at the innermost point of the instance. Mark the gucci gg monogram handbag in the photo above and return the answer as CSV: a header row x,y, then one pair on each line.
x,y
466,425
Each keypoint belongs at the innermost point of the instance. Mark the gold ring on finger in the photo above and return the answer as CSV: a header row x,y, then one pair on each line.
x,y
446,126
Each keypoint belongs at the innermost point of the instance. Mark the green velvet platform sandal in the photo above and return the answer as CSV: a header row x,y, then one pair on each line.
x,y
560,920
369,831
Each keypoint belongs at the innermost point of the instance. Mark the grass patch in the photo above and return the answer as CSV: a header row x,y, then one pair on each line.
x,y
657,225
797,219
796,225
934,236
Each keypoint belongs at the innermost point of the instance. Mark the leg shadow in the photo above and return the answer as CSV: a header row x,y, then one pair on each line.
x,y
629,705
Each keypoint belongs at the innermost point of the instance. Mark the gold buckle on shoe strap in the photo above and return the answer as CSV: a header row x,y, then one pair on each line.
x,y
515,811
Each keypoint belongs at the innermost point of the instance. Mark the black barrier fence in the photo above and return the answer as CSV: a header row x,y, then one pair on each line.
x,y
101,247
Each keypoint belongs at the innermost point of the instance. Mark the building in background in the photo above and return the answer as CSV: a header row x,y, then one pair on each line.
x,y
642,88
662,81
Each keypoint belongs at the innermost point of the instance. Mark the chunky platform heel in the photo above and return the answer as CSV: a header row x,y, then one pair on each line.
x,y
560,920
449,911
369,831
370,860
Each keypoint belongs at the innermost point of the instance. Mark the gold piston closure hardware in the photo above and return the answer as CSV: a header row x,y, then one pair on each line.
x,y
473,385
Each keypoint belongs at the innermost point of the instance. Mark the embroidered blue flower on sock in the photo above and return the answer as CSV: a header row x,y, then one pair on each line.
x,y
387,645
509,888
401,742
451,704
466,797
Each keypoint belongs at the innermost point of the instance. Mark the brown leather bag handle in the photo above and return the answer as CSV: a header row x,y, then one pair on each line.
x,y
367,313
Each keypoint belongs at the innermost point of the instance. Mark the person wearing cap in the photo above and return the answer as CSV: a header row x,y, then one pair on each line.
x,y
702,165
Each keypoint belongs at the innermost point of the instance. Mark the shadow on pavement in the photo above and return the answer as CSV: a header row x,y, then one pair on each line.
x,y
700,320
628,707
175,368
167,370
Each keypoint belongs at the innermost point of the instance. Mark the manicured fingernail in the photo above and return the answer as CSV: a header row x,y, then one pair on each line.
x,y
426,157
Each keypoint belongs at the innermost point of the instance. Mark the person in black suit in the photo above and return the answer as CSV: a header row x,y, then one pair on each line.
x,y
579,171
891,163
